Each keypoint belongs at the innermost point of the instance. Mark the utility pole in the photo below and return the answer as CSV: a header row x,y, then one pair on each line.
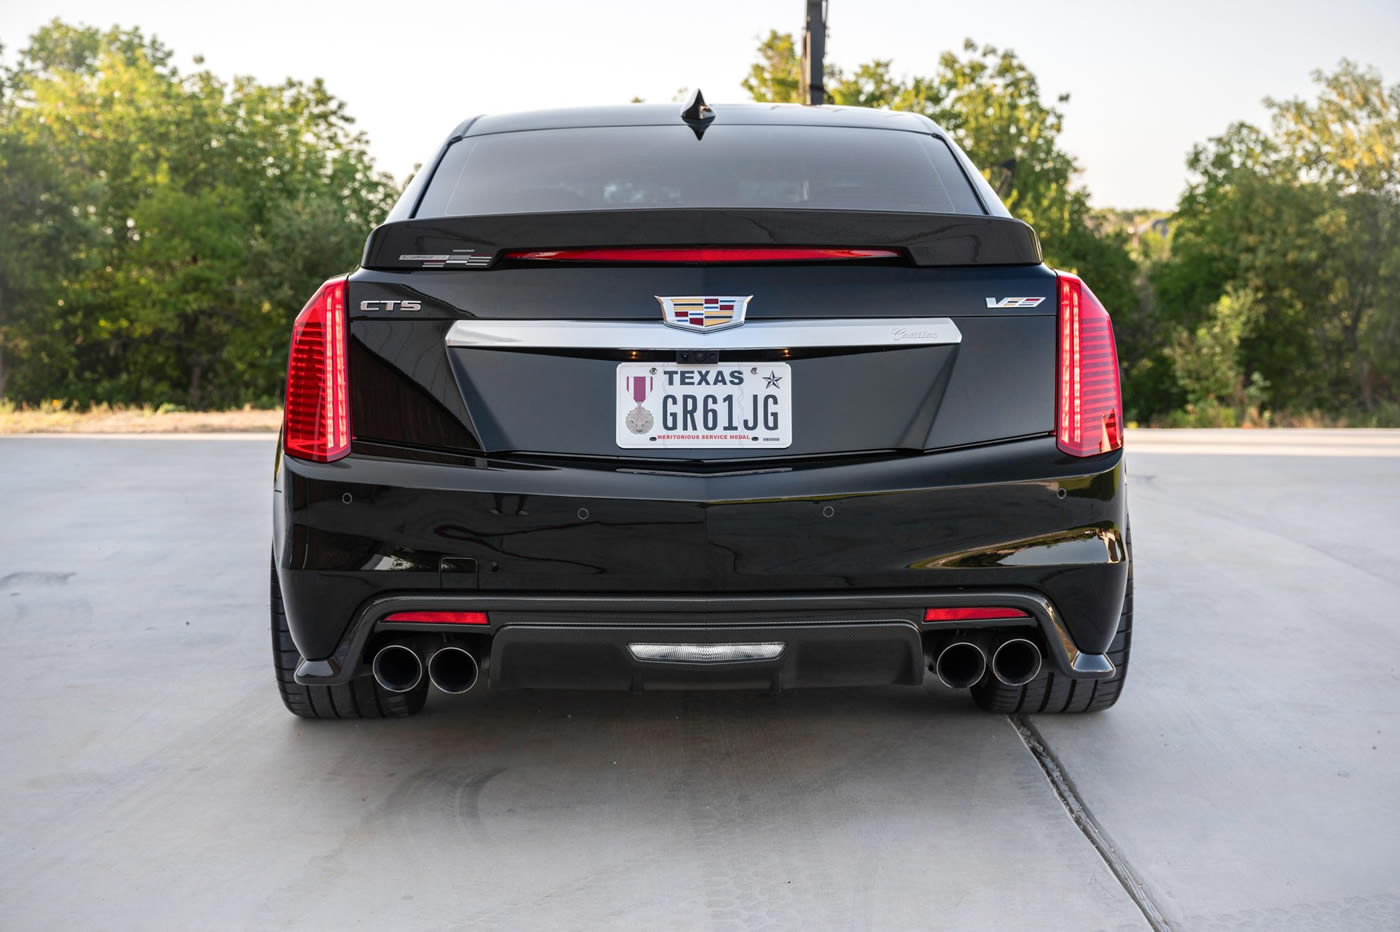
x,y
813,54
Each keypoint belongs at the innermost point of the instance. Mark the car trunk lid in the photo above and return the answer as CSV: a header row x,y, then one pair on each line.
x,y
535,359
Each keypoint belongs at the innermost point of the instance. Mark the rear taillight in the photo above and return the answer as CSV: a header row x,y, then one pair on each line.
x,y
704,254
1089,407
317,415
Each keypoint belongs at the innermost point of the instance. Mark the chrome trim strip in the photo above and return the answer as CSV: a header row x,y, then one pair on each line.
x,y
654,335
706,653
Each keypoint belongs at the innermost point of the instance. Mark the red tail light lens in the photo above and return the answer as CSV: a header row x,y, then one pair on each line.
x,y
700,254
1089,408
440,618
317,414
972,614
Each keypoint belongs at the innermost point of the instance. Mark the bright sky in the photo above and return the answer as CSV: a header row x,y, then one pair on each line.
x,y
1146,80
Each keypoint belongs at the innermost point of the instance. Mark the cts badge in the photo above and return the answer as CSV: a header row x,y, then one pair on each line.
x,y
1013,302
703,313
394,305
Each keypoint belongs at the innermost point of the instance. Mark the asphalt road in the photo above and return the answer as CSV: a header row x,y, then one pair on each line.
x,y
1250,778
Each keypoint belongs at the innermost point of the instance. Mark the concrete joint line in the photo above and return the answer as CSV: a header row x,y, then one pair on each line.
x,y
1069,797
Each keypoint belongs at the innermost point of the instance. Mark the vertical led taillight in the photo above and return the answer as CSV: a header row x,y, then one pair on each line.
x,y
317,415
1089,399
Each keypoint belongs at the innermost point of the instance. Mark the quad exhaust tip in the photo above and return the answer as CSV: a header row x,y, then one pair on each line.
x,y
1016,662
397,668
960,664
453,670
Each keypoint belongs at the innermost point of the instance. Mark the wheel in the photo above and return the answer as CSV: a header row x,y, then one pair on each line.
x,y
362,697
1051,691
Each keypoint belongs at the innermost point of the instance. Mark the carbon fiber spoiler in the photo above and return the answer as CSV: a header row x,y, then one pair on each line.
x,y
477,242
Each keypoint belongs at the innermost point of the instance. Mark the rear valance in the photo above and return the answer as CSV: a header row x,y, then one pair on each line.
x,y
477,242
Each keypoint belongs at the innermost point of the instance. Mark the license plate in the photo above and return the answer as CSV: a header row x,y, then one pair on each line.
x,y
668,405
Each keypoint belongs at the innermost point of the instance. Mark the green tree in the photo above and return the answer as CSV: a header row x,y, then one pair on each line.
x,y
777,75
166,226
1206,361
1306,218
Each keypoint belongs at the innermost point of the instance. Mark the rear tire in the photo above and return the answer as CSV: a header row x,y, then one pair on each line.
x,y
362,697
1052,691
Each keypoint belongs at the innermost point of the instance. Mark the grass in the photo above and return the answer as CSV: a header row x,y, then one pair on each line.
x,y
1385,414
54,417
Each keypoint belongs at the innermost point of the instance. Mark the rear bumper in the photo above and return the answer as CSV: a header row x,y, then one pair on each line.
x,y
584,642
573,547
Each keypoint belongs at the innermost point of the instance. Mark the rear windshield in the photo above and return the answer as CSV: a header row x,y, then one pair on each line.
x,y
621,167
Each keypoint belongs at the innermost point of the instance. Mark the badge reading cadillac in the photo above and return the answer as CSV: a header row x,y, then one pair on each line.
x,y
702,313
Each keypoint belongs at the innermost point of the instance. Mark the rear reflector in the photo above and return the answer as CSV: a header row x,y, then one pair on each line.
x,y
317,414
700,254
981,613
440,618
1089,409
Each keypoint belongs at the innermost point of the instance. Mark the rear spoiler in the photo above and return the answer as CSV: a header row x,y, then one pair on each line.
x,y
477,242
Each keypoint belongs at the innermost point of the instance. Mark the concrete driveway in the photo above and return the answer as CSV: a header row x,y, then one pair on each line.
x,y
1250,778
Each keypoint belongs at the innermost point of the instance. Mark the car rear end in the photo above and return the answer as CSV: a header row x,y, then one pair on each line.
x,y
618,400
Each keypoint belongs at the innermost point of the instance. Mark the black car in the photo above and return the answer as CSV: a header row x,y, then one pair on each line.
x,y
677,397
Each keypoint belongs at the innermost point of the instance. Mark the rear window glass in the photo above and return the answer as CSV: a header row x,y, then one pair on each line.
x,y
626,167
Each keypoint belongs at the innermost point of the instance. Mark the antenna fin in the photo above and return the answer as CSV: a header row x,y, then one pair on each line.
x,y
697,114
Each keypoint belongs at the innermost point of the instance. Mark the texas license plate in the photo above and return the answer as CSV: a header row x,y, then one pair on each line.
x,y
668,405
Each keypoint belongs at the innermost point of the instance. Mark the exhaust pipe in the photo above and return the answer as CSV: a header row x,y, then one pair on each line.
x,y
397,668
452,669
960,663
1016,661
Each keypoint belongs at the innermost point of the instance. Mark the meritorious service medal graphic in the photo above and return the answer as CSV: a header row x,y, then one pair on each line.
x,y
639,419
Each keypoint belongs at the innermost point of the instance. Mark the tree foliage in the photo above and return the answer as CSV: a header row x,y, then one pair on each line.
x,y
158,230
1305,218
